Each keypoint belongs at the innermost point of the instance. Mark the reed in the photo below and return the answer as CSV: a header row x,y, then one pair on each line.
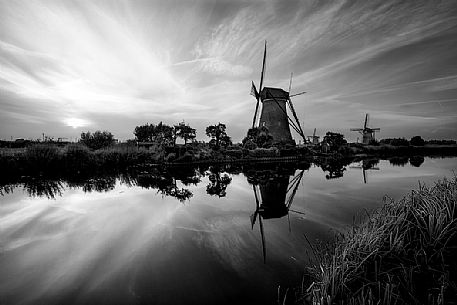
x,y
403,253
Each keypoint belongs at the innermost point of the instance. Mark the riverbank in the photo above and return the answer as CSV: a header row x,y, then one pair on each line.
x,y
403,253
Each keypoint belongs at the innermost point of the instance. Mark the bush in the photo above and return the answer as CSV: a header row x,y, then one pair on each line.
x,y
97,140
417,141
77,157
42,157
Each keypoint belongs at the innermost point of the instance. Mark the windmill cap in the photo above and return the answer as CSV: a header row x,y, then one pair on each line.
x,y
268,93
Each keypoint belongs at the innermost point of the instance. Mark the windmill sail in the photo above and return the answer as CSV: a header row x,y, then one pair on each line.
x,y
257,94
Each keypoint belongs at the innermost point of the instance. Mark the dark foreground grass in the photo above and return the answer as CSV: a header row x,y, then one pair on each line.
x,y
404,253
73,159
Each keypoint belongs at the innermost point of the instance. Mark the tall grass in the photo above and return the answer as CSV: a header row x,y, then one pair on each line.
x,y
405,253
73,159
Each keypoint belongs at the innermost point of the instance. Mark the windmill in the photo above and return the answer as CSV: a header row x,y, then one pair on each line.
x,y
314,139
367,164
368,134
273,113
277,195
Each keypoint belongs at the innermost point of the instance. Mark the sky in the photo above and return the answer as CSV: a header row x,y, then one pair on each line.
x,y
68,67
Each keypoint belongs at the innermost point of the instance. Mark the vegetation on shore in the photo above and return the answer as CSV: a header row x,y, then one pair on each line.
x,y
403,253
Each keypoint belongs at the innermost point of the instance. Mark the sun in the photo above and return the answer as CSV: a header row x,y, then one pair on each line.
x,y
76,122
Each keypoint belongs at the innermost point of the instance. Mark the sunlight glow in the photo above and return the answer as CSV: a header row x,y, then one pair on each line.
x,y
76,123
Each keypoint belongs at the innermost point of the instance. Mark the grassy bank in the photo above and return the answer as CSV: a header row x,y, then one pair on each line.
x,y
403,253
74,159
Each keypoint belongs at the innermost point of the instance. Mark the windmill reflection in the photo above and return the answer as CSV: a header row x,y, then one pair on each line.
x,y
274,194
366,165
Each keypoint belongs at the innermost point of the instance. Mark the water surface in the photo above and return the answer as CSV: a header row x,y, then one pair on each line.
x,y
187,240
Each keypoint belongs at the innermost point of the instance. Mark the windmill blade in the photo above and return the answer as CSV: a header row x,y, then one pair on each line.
x,y
356,129
290,82
366,121
256,94
297,94
375,129
253,218
262,234
255,113
314,133
257,207
364,176
263,67
301,133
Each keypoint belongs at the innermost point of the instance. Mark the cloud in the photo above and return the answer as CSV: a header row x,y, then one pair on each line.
x,y
195,60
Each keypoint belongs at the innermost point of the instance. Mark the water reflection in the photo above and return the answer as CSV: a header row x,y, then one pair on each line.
x,y
398,161
175,181
334,166
218,181
274,194
416,161
129,245
366,165
39,187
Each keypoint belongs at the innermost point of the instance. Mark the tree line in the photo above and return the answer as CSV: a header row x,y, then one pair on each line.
x,y
161,134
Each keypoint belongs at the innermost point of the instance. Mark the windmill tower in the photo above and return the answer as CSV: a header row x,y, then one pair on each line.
x,y
273,113
368,134
314,139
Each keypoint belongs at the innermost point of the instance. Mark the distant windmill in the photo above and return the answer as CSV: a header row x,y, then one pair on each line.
x,y
273,114
314,139
368,134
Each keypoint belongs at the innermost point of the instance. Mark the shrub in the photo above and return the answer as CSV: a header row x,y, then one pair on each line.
x,y
417,141
78,158
97,140
42,157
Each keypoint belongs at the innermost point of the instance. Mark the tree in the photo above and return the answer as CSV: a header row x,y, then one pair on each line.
x,y
218,136
185,132
97,140
161,133
144,133
260,136
417,141
334,140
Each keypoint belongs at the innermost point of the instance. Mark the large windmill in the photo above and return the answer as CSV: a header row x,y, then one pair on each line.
x,y
368,134
273,113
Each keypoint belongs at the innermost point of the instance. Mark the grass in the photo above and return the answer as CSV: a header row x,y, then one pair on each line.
x,y
74,159
403,253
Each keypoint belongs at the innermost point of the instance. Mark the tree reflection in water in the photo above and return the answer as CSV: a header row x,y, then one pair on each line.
x,y
43,187
218,182
416,161
398,161
334,166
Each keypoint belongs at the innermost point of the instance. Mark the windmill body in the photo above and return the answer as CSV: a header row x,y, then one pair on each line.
x,y
274,114
368,134
314,139
273,104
